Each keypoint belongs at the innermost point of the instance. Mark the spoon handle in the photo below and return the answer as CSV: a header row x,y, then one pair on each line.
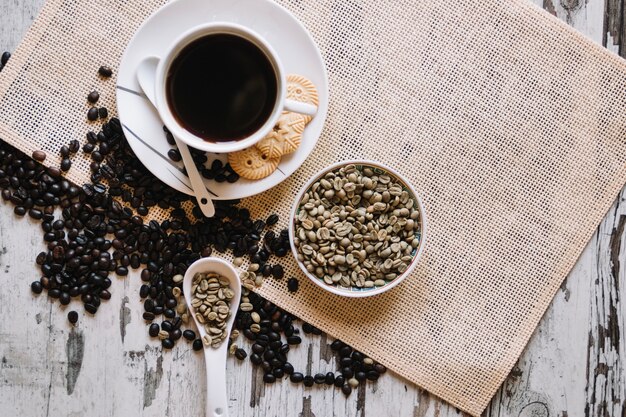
x,y
216,398
197,184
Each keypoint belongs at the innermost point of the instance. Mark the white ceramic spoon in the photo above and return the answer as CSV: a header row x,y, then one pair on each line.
x,y
146,77
215,359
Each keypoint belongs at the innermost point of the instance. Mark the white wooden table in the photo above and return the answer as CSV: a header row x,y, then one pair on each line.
x,y
107,366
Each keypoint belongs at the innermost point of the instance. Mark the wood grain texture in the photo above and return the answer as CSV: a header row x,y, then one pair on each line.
x,y
108,365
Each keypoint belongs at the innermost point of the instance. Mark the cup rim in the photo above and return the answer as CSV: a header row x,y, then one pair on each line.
x,y
367,293
161,94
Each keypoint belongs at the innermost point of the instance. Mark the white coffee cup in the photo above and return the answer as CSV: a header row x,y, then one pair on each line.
x,y
156,69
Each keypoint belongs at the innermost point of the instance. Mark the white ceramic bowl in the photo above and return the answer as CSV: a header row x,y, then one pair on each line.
x,y
354,291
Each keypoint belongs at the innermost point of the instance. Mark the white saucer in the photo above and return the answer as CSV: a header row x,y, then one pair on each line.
x,y
141,122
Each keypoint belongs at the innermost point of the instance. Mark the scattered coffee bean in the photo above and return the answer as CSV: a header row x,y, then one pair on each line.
x,y
36,287
240,354
103,113
174,155
74,146
66,164
189,334
105,71
272,220
292,284
153,330
5,58
39,156
197,345
72,317
93,97
92,114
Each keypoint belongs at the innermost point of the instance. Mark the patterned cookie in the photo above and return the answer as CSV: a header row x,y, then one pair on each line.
x,y
301,89
286,136
250,163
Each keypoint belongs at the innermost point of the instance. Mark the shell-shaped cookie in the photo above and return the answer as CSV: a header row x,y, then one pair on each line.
x,y
286,136
250,163
300,88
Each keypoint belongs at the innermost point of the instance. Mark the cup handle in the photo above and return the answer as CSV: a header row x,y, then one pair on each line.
x,y
146,75
300,107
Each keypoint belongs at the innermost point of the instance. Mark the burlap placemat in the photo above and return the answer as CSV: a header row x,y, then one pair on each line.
x,y
511,125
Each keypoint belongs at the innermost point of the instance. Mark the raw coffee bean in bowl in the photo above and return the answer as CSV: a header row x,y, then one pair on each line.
x,y
357,228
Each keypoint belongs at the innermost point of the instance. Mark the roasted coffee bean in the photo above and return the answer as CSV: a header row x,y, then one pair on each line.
x,y
64,151
189,334
144,291
167,343
103,113
346,389
269,378
72,317
175,334
258,348
105,71
380,369
307,328
272,220
330,378
36,287
174,155
39,156
292,285
19,210
35,214
345,351
278,271
66,164
148,316
360,376
88,147
93,97
319,378
256,359
309,381
153,330
372,375
91,137
197,345
296,377
5,58
89,307
92,114
240,354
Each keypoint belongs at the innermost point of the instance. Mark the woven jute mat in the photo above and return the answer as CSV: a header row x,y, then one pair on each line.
x,y
511,126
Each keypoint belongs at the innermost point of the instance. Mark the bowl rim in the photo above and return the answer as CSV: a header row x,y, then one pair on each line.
x,y
379,290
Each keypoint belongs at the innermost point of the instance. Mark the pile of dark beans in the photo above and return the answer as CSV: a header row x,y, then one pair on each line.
x,y
273,332
89,234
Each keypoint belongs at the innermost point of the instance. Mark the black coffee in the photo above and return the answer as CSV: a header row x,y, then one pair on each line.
x,y
221,88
